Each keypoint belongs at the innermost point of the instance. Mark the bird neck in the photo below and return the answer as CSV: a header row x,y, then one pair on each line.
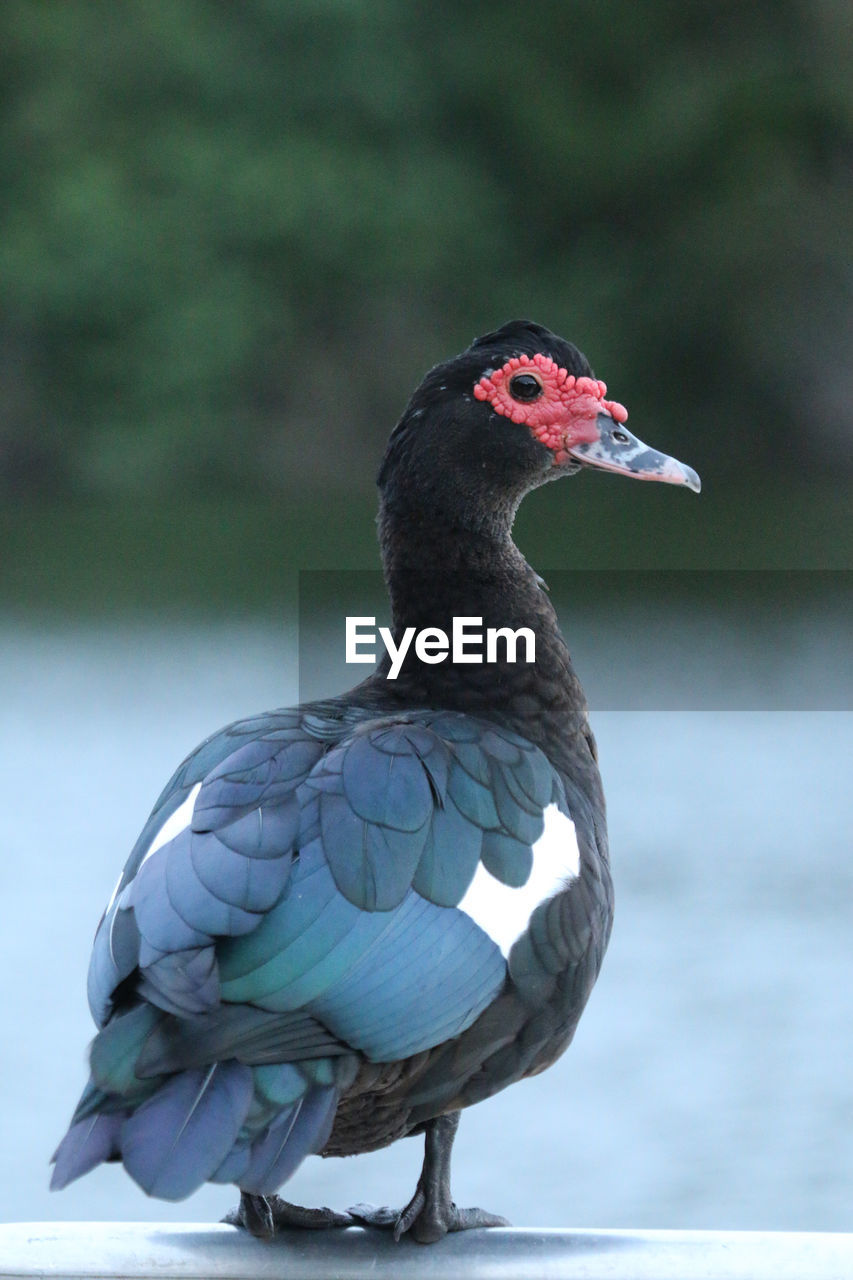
x,y
437,573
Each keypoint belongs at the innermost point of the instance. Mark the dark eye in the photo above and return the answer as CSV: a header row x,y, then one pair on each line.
x,y
524,386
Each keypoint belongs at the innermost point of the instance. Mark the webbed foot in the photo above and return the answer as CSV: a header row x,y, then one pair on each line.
x,y
426,1221
264,1216
431,1212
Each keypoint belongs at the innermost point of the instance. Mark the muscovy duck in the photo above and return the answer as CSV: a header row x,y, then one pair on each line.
x,y
345,922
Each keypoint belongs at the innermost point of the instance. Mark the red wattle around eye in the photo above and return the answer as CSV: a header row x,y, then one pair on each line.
x,y
565,411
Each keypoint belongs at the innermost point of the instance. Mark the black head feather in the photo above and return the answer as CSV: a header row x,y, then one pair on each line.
x,y
451,453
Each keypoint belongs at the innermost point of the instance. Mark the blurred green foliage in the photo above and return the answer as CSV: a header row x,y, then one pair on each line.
x,y
234,555
233,236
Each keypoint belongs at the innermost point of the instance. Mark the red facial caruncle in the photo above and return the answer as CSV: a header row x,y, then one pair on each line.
x,y
559,409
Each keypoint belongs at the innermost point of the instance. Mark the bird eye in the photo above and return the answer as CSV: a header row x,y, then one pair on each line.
x,y
620,437
525,387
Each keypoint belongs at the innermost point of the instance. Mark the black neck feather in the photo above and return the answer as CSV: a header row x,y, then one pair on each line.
x,y
434,573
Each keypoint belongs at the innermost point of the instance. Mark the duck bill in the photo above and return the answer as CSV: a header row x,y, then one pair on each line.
x,y
616,449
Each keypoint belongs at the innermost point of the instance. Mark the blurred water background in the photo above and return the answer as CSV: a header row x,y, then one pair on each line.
x,y
709,1084
232,239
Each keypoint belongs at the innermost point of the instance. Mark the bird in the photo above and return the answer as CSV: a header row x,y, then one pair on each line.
x,y
345,922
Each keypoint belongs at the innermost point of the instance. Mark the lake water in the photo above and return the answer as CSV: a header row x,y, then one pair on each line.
x,y
711,1080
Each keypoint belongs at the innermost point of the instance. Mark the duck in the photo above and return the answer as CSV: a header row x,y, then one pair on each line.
x,y
346,922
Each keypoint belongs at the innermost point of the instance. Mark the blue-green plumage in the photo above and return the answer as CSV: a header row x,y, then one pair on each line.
x,y
318,875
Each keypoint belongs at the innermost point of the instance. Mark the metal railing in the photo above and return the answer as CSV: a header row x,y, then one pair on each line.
x,y
188,1251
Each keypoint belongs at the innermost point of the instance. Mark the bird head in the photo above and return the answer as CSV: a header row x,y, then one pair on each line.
x,y
519,407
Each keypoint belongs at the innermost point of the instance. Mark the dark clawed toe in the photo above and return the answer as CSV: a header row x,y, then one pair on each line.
x,y
434,1222
468,1218
409,1216
384,1218
369,1215
253,1214
264,1216
426,1223
285,1215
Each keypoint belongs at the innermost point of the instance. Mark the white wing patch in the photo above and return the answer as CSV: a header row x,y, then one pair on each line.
x,y
173,826
503,912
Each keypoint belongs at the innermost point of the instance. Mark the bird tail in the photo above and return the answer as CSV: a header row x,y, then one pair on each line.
x,y
225,1123
87,1143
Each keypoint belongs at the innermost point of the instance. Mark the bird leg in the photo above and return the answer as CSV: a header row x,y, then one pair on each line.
x,y
264,1216
430,1213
